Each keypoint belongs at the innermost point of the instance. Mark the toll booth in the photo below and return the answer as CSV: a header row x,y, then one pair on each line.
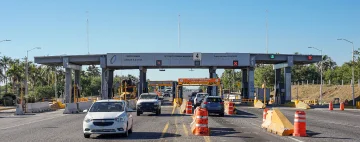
x,y
280,94
198,82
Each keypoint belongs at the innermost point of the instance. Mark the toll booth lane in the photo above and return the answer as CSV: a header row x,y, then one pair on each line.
x,y
321,124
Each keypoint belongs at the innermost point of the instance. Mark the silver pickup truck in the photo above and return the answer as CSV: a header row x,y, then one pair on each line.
x,y
148,102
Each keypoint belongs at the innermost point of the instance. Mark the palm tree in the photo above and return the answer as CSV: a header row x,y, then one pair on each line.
x,y
5,62
93,70
16,72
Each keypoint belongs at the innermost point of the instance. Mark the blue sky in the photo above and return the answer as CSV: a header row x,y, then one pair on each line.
x,y
59,27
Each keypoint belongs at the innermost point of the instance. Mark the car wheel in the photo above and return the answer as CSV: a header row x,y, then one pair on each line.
x,y
131,129
222,114
159,111
86,135
137,113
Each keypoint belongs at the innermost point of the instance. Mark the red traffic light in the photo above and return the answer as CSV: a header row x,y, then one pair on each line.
x,y
158,62
235,63
310,57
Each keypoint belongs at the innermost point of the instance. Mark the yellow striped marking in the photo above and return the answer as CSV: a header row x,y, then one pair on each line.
x,y
185,130
165,129
207,138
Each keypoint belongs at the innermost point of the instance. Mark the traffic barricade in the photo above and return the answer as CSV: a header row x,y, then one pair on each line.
x,y
189,108
300,124
229,108
331,107
264,114
199,126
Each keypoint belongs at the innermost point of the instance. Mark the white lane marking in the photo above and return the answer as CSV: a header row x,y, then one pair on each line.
x,y
295,139
29,123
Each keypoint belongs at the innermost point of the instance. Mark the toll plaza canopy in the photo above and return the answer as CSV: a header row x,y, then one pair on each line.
x,y
211,61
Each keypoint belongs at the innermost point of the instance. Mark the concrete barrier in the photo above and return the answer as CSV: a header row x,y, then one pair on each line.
x,y
29,108
70,108
183,106
84,105
277,123
302,105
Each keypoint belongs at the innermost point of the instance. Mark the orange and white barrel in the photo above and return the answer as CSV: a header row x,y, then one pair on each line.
x,y
300,124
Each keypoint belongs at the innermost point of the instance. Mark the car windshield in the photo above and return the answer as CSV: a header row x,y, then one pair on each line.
x,y
107,107
148,97
213,100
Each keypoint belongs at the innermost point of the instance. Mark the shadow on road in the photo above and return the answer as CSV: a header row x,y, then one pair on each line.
x,y
226,132
164,115
313,134
243,114
139,136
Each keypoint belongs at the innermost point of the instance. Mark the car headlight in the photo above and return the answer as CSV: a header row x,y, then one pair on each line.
x,y
119,119
87,119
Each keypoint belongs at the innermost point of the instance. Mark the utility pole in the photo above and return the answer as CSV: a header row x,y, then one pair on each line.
x,y
267,44
87,31
352,68
179,31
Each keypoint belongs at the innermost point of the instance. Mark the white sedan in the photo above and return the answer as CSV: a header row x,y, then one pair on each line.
x,y
108,117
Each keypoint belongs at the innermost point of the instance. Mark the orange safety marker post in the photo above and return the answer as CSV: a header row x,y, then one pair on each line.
x,y
331,106
264,114
189,108
229,108
200,125
300,124
342,106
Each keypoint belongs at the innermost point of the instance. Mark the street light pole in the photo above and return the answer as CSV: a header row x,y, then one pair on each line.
x,y
321,73
27,69
352,68
5,40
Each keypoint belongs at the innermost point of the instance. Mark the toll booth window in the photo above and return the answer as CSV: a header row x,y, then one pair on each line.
x,y
213,100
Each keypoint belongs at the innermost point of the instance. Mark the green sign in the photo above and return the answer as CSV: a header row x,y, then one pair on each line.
x,y
272,56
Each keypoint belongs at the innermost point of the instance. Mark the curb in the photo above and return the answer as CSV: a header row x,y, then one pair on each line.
x,y
1,109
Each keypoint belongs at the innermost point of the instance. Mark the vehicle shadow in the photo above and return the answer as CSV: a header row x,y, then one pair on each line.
x,y
226,132
243,114
164,115
313,134
139,136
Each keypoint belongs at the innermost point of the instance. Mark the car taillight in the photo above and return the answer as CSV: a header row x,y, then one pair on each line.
x,y
205,102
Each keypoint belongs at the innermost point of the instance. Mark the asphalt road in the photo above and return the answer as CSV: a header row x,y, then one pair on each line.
x,y
322,125
172,126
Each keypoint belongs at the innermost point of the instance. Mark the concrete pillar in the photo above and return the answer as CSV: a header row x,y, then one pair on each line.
x,y
77,79
251,82
110,81
277,86
143,86
287,82
244,84
212,90
67,85
104,85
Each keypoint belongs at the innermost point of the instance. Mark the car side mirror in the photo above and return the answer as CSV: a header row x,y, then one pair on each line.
x,y
85,110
